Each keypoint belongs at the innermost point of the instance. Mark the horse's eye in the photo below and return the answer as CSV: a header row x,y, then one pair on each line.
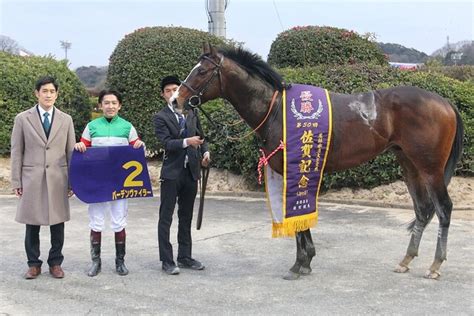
x,y
202,71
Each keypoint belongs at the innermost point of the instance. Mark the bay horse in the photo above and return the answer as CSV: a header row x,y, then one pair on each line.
x,y
421,128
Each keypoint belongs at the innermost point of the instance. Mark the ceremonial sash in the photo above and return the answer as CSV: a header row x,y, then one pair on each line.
x,y
103,174
307,127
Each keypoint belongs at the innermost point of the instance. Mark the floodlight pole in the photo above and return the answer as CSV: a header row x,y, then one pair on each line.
x,y
65,45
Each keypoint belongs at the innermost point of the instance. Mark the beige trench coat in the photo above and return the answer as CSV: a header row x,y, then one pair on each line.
x,y
40,167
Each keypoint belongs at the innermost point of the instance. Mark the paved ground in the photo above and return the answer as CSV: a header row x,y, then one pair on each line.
x,y
357,248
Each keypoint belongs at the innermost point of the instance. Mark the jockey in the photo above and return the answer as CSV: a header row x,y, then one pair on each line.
x,y
108,130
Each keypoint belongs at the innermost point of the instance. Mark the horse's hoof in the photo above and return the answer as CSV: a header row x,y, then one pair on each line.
x,y
434,275
290,275
401,269
305,270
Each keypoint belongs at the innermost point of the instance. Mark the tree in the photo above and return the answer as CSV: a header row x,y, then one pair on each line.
x,y
8,45
467,57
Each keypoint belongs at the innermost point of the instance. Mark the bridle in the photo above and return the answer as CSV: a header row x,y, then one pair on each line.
x,y
195,100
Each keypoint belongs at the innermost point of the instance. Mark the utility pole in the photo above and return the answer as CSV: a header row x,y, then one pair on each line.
x,y
65,45
216,16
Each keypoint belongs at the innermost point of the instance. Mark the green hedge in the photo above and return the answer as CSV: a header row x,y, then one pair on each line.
x,y
243,157
18,76
141,60
313,45
461,73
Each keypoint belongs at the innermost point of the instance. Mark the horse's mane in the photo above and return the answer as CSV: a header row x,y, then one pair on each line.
x,y
254,65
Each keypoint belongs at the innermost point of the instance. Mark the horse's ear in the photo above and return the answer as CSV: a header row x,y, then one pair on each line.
x,y
206,48
213,50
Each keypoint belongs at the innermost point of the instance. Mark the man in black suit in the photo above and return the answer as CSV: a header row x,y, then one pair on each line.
x,y
181,137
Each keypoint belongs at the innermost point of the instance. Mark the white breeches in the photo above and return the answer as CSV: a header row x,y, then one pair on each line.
x,y
118,211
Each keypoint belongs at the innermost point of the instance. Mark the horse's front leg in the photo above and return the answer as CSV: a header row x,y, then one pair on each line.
x,y
294,272
305,252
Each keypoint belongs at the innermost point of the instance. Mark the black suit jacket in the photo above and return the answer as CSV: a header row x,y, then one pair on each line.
x,y
167,130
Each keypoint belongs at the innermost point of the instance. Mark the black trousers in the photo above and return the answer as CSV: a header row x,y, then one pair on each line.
x,y
184,191
32,245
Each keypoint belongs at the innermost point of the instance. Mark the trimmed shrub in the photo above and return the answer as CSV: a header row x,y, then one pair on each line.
x,y
462,73
314,45
18,76
139,62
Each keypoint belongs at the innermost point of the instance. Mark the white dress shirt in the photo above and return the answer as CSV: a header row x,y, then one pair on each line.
x,y
42,111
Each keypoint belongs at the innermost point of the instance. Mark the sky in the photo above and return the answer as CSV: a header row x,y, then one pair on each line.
x,y
94,28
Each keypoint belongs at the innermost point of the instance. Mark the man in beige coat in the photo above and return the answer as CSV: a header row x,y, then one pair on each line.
x,y
42,142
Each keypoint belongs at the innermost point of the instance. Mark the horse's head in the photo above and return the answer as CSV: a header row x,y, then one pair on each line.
x,y
203,83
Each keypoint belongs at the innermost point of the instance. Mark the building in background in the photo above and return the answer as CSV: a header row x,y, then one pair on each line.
x,y
405,66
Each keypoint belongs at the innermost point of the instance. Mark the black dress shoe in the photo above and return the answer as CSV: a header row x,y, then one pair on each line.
x,y
189,263
170,268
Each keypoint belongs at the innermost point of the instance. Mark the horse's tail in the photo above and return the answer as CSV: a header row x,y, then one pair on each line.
x,y
456,149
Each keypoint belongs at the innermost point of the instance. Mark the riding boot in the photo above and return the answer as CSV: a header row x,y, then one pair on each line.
x,y
95,253
120,266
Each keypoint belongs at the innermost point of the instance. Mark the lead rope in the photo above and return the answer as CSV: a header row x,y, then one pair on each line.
x,y
263,161
272,102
